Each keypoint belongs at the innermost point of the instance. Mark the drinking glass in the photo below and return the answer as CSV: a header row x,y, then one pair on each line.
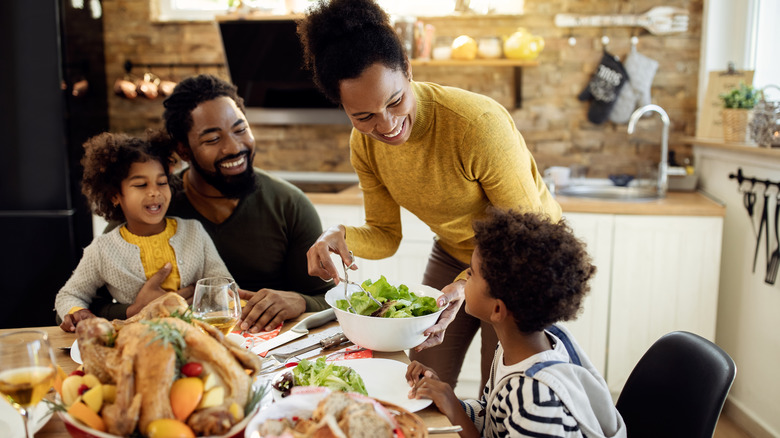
x,y
216,302
27,370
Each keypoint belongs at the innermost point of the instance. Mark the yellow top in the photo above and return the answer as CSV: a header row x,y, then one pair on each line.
x,y
156,251
464,154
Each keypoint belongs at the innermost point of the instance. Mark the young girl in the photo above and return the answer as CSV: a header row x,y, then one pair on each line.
x,y
126,179
527,273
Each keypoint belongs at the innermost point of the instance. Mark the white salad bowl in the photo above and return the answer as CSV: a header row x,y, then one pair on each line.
x,y
383,334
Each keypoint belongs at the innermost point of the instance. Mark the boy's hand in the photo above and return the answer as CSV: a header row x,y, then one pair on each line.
x,y
429,386
71,320
415,372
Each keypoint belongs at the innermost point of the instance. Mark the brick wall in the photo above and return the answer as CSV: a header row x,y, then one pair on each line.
x,y
551,118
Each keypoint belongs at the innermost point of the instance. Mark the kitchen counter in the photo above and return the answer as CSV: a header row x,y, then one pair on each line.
x,y
675,204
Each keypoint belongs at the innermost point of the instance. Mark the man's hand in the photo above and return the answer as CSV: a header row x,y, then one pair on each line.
x,y
454,295
318,256
71,320
267,308
151,290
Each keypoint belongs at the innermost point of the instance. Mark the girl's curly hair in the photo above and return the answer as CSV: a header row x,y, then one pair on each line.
x,y
341,38
537,267
107,160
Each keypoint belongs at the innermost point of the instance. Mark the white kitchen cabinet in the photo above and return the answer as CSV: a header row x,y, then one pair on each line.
x,y
590,327
655,274
665,274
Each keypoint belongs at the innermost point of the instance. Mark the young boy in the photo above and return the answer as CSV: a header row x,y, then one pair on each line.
x,y
527,273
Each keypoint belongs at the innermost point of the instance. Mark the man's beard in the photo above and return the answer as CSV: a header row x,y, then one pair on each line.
x,y
233,186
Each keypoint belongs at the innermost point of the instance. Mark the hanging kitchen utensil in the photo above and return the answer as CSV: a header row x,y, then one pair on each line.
x,y
764,220
659,20
774,261
749,200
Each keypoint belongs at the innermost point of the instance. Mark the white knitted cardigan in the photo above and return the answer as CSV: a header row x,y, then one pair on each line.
x,y
112,261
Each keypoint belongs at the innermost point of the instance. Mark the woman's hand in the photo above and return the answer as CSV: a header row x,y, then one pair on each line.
x,y
318,256
452,297
267,308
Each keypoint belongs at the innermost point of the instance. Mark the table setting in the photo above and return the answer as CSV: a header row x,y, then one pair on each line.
x,y
296,343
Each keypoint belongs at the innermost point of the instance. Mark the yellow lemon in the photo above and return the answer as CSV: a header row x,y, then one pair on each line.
x,y
464,47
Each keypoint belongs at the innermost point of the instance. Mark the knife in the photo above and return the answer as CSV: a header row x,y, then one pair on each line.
x,y
326,343
298,330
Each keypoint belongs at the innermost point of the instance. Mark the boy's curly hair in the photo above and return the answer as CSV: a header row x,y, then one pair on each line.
x,y
190,93
341,38
107,160
537,267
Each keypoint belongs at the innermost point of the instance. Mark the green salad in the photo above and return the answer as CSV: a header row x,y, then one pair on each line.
x,y
329,375
396,302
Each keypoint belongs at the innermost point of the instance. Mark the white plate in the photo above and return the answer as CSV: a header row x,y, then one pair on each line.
x,y
385,380
11,423
75,354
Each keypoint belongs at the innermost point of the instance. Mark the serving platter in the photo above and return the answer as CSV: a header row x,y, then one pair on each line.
x,y
385,380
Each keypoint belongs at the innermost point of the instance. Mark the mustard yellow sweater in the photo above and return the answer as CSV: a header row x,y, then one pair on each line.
x,y
464,154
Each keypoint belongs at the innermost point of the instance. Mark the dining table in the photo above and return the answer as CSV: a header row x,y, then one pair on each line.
x,y
61,341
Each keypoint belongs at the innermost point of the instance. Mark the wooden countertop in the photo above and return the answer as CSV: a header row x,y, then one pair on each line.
x,y
675,204
55,428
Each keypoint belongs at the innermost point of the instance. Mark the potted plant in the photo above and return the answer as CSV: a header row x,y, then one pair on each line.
x,y
737,107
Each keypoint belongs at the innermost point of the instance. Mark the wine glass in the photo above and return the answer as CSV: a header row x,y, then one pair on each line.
x,y
216,302
27,370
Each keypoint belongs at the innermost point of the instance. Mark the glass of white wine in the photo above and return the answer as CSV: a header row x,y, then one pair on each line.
x,y
216,302
27,370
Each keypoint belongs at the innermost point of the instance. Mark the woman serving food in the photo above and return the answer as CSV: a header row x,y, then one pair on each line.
x,y
443,153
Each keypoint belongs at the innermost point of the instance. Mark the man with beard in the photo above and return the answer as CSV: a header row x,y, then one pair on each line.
x,y
262,226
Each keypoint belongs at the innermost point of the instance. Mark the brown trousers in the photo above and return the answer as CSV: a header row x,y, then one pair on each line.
x,y
447,358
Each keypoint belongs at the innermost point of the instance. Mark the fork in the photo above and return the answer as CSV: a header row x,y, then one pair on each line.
x,y
346,282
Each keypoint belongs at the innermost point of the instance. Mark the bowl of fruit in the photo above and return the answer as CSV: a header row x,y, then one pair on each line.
x,y
393,320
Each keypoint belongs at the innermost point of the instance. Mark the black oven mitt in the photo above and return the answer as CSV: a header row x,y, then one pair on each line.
x,y
604,86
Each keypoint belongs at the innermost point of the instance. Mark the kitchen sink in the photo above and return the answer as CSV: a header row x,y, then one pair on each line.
x,y
613,193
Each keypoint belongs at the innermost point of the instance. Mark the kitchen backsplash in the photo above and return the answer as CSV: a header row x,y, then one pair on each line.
x,y
551,118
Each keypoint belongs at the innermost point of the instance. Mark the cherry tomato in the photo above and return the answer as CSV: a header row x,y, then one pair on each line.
x,y
76,373
192,369
83,388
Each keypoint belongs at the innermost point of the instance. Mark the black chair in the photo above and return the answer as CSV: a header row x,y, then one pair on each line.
x,y
677,389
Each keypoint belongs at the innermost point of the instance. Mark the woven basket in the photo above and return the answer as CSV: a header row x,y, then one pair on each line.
x,y
735,124
411,424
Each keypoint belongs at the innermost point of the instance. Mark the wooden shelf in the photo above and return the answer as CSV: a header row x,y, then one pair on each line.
x,y
501,62
731,146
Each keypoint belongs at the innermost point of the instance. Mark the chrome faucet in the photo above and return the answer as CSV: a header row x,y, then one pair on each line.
x,y
663,164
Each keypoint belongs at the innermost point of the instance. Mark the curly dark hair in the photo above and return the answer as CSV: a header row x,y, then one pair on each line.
x,y
107,160
341,38
537,267
190,93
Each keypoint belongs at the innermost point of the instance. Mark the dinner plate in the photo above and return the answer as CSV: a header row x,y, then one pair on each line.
x,y
11,423
75,354
385,379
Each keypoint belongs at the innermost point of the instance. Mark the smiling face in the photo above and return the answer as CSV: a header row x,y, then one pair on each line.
x,y
380,103
144,198
221,147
